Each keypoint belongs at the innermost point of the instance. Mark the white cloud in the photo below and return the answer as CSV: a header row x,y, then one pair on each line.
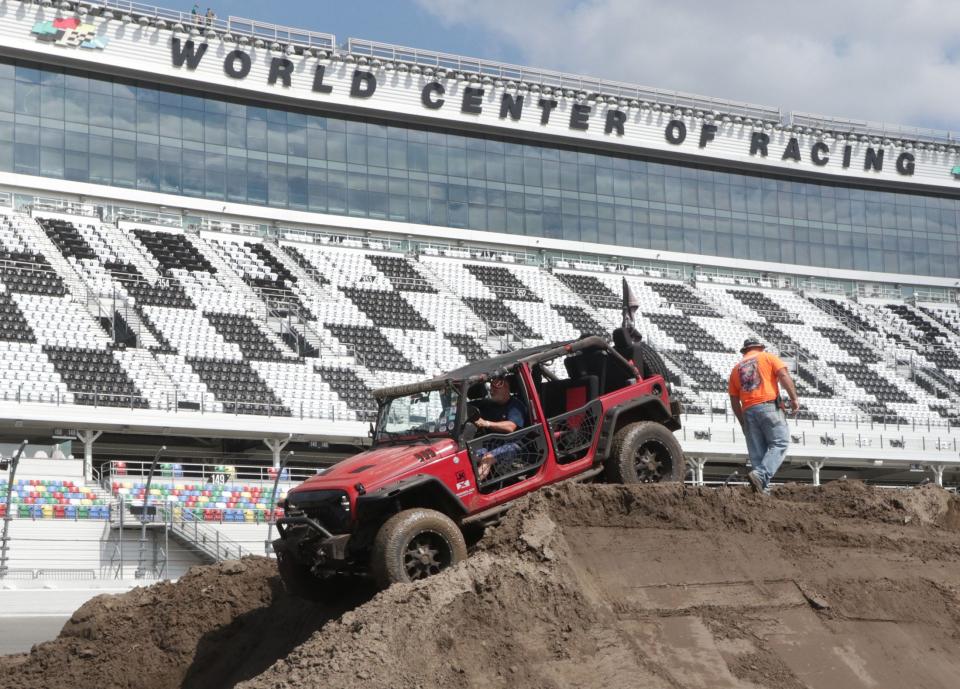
x,y
878,60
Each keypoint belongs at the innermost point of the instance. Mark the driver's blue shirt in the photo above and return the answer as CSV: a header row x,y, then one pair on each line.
x,y
513,411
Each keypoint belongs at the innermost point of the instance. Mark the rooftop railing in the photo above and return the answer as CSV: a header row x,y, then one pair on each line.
x,y
576,84
229,28
299,41
879,130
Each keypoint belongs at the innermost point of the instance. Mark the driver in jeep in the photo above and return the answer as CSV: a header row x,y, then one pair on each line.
x,y
504,414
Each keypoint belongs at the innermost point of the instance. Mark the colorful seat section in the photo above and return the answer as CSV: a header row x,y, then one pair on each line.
x,y
53,498
218,502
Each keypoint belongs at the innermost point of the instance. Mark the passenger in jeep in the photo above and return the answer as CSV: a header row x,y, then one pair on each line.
x,y
504,413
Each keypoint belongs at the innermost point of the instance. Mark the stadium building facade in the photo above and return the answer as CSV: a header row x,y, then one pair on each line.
x,y
140,115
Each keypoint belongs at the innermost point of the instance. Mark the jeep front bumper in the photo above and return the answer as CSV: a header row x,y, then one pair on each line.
x,y
309,542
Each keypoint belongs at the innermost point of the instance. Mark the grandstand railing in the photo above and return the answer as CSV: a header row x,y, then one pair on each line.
x,y
827,436
620,265
435,248
67,207
142,215
183,523
172,403
232,227
49,574
932,295
205,472
857,421
343,239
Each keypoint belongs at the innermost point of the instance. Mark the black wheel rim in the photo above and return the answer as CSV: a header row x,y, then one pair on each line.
x,y
653,462
426,554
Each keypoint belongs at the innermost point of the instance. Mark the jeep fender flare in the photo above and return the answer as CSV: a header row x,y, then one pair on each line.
x,y
421,490
645,408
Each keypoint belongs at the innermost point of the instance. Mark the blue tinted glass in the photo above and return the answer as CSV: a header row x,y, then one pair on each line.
x,y
163,139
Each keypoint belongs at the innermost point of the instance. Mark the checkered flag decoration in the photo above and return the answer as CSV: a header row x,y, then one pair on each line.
x,y
69,32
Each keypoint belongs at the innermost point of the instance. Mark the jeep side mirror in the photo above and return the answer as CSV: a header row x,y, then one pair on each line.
x,y
469,431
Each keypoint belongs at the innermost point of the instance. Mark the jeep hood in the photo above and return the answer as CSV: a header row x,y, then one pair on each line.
x,y
380,465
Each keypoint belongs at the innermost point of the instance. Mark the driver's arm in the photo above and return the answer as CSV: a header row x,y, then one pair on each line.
x,y
505,426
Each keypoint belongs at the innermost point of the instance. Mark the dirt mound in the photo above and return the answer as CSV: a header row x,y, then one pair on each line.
x,y
581,586
214,627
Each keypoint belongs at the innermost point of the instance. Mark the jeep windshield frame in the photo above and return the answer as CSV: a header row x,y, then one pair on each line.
x,y
420,415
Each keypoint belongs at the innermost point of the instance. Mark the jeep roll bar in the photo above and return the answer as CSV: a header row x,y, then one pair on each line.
x,y
478,373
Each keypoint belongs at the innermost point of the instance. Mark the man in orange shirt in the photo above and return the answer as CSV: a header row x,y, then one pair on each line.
x,y
754,398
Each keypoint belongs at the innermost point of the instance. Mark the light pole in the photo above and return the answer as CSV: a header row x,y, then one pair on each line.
x,y
12,464
273,501
141,572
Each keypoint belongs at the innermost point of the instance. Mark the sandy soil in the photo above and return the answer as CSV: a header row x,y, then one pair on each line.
x,y
581,586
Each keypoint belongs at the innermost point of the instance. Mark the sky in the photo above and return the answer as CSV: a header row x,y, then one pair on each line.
x,y
893,61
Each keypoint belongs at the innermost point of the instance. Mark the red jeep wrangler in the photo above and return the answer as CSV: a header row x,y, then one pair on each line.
x,y
398,511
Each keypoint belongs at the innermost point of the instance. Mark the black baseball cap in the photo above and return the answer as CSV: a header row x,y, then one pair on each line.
x,y
751,343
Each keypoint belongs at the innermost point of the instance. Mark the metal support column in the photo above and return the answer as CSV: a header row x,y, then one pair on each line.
x,y
88,438
276,445
815,467
937,470
697,463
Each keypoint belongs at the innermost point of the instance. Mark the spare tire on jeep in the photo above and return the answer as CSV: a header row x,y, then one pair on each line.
x,y
415,544
645,452
651,363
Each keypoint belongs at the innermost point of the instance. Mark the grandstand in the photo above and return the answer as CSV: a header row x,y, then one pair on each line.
x,y
229,263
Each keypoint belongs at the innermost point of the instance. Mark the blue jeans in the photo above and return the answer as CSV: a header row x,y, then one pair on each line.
x,y
768,438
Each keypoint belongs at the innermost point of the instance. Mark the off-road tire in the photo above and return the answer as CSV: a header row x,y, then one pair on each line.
x,y
390,561
633,442
651,363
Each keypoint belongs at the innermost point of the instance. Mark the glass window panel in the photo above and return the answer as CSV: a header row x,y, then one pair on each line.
x,y
297,190
170,169
336,146
277,186
215,181
337,191
257,134
170,121
52,102
214,128
192,173
276,138
124,114
26,98
148,166
148,118
51,161
192,122
76,166
7,88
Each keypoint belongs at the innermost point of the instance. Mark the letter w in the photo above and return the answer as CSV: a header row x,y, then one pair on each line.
x,y
187,53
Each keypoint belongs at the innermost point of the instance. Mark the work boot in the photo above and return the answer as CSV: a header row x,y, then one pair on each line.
x,y
755,482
